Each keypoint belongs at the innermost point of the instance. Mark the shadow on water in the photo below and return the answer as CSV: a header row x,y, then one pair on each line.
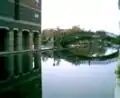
x,y
20,75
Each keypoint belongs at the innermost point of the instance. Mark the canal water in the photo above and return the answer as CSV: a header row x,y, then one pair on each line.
x,y
72,74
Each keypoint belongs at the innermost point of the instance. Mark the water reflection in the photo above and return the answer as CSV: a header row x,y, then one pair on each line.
x,y
67,80
117,88
71,81
76,56
20,75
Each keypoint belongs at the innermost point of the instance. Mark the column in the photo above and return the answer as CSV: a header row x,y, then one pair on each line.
x,y
9,41
19,40
18,47
30,40
27,57
9,47
29,54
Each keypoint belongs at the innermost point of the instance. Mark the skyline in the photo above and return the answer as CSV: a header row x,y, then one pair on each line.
x,y
100,15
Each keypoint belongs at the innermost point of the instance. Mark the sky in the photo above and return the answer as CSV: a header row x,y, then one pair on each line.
x,y
88,14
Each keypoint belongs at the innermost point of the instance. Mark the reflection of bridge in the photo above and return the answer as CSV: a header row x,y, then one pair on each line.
x,y
91,62
77,60
98,62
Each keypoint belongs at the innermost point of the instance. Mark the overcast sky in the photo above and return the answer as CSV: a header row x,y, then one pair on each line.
x,y
89,14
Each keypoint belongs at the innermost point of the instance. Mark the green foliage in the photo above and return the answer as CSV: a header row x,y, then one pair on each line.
x,y
63,37
113,40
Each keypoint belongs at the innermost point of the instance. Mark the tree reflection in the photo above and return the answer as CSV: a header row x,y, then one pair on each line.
x,y
77,56
57,58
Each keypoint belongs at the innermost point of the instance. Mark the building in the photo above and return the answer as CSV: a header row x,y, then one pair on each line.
x,y
20,28
20,24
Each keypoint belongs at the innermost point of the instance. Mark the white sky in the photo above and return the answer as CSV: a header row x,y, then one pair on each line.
x,y
89,14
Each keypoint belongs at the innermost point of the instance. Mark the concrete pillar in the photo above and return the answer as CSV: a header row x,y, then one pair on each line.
x,y
30,40
37,60
9,47
18,40
27,57
36,40
9,41
18,47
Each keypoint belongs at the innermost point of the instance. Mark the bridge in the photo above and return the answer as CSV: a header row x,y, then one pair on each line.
x,y
20,29
65,40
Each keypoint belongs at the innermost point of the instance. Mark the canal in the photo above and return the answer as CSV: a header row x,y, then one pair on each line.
x,y
71,73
